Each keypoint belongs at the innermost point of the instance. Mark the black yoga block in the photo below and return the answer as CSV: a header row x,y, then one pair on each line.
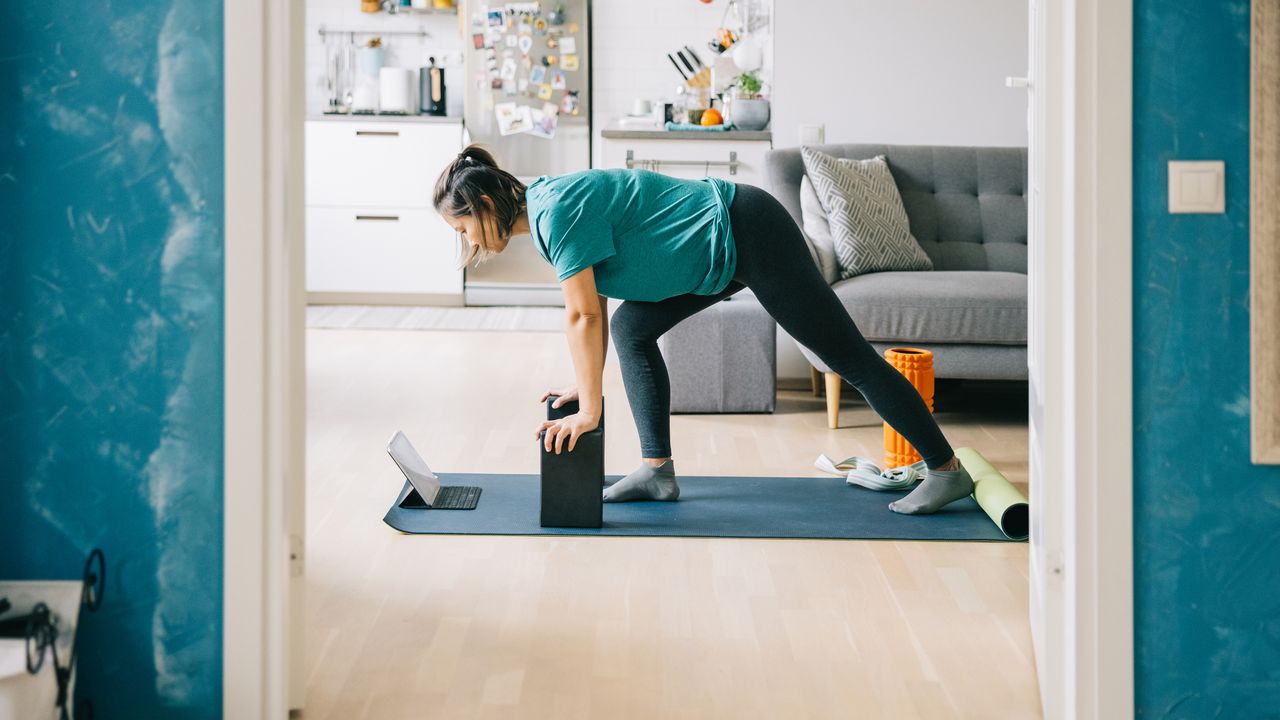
x,y
572,482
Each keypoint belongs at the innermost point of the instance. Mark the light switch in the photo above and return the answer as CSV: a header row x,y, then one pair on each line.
x,y
1197,186
812,134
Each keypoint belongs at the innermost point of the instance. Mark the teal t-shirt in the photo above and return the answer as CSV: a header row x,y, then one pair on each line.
x,y
649,236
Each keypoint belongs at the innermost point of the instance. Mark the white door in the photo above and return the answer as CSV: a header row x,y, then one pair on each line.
x,y
1048,306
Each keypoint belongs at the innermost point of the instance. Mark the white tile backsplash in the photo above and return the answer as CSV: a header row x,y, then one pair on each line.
x,y
630,42
442,43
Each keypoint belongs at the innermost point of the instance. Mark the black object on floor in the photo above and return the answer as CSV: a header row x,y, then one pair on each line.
x,y
450,497
572,481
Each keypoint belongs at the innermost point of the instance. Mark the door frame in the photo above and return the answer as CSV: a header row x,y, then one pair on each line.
x,y
1087,671
264,435
1081,559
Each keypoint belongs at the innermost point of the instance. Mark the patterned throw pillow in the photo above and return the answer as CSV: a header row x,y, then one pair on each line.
x,y
868,222
817,231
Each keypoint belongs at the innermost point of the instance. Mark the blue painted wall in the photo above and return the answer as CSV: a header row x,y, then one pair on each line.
x,y
111,333
1206,521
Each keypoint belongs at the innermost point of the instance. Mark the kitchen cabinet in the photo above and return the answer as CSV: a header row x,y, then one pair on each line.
x,y
373,236
735,156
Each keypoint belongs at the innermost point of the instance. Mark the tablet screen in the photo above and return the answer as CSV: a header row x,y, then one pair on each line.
x,y
413,467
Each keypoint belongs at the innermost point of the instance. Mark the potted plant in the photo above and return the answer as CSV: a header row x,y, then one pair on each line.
x,y
750,108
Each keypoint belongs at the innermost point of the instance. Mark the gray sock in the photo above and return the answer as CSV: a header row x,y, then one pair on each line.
x,y
646,483
939,488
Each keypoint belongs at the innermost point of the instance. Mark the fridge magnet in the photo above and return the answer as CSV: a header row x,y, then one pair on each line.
x,y
572,27
552,42
542,124
568,45
540,26
526,44
495,83
479,41
509,69
544,91
569,62
537,75
495,19
569,103
550,109
548,60
557,80
556,17
494,36
512,118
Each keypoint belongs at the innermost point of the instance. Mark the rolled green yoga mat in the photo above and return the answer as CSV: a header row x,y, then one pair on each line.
x,y
1002,502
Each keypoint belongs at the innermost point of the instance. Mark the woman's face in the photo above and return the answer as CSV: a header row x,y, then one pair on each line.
x,y
478,232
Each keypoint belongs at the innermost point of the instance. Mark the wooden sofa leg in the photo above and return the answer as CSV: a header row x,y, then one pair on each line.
x,y
814,376
833,400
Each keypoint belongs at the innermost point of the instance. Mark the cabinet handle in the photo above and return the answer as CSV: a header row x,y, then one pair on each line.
x,y
392,218
378,133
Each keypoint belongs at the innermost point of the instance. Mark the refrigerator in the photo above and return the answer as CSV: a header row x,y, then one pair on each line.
x,y
528,100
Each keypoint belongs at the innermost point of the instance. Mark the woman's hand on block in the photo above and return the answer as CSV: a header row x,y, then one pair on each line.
x,y
570,427
567,393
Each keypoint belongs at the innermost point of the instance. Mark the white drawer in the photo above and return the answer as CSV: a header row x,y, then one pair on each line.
x,y
377,164
384,250
691,158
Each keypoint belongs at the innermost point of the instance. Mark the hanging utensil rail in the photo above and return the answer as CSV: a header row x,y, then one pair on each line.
x,y
652,164
420,32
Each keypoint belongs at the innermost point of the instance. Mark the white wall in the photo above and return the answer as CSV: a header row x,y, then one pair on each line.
x,y
894,71
444,43
900,71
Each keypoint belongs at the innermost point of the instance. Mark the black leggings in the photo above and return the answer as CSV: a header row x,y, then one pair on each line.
x,y
774,261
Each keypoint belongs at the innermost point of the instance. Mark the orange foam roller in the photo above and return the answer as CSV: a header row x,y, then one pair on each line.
x,y
917,366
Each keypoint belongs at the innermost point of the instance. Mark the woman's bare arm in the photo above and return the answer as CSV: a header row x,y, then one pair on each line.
x,y
586,320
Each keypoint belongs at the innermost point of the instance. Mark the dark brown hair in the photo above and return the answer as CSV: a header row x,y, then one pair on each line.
x,y
460,192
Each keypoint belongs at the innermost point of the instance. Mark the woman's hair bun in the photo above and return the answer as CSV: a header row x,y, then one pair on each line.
x,y
476,155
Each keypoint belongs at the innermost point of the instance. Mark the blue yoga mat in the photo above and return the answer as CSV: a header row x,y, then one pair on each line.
x,y
741,507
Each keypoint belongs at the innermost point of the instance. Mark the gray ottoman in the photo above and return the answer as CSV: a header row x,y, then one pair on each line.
x,y
723,359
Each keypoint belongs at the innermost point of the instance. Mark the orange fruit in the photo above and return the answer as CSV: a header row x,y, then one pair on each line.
x,y
712,116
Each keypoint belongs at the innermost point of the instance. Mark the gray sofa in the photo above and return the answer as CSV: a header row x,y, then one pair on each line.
x,y
967,207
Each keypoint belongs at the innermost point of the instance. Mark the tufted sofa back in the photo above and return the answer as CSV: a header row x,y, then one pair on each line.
x,y
967,205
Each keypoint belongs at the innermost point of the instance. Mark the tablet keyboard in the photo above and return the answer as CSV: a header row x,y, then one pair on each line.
x,y
457,497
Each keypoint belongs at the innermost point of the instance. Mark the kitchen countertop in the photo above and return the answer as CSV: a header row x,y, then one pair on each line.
x,y
643,134
438,119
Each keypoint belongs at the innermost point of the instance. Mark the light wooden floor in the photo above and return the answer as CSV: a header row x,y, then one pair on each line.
x,y
405,626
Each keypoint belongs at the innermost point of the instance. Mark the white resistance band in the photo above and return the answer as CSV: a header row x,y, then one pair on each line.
x,y
864,473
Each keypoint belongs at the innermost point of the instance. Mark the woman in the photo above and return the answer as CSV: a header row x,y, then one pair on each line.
x,y
669,248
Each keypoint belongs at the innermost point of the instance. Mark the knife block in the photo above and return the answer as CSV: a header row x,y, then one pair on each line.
x,y
572,482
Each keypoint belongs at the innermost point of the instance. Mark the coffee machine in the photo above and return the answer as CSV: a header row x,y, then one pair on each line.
x,y
431,89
